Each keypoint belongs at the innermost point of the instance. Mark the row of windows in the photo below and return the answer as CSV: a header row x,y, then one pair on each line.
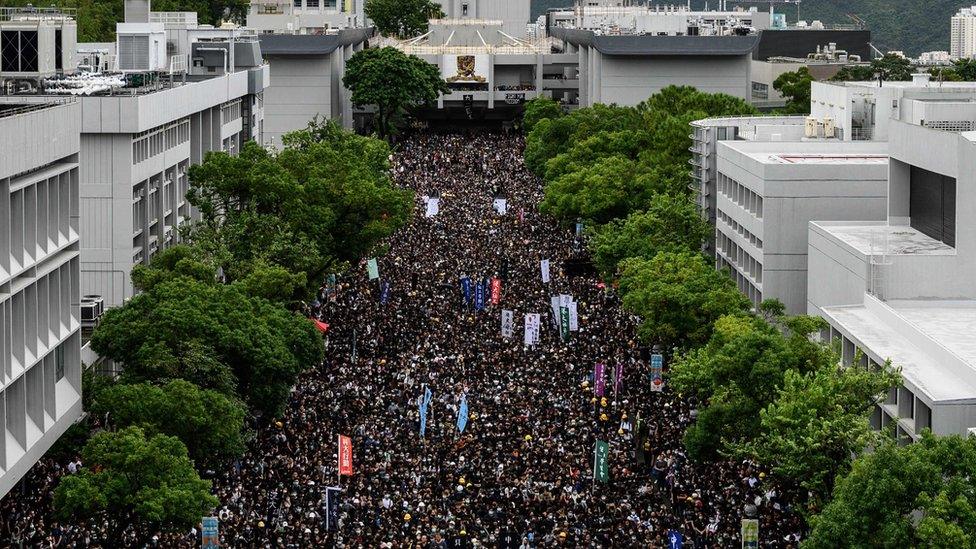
x,y
230,111
743,232
898,403
149,143
739,257
741,195
36,219
157,205
34,319
745,285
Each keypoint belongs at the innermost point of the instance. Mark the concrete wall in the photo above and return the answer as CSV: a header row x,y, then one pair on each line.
x,y
793,194
626,80
40,340
302,87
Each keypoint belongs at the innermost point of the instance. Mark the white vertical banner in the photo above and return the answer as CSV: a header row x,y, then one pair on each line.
x,y
573,317
501,206
433,206
554,303
544,265
532,328
508,323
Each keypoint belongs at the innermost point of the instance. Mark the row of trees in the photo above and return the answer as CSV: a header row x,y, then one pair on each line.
x,y
213,338
766,389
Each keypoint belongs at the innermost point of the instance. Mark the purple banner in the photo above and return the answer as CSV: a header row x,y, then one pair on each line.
x,y
618,377
599,379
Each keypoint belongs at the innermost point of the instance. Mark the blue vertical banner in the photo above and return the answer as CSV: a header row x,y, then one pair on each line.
x,y
384,292
675,539
424,404
466,289
332,508
210,534
479,296
657,366
462,420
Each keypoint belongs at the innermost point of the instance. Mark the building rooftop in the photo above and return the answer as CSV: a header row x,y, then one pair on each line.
x,y
827,159
664,46
877,238
11,109
933,345
311,44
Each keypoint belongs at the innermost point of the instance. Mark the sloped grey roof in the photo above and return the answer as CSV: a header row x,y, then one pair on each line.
x,y
665,46
311,44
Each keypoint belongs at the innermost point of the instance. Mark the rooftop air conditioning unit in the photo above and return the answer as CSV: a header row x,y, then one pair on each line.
x,y
99,303
141,47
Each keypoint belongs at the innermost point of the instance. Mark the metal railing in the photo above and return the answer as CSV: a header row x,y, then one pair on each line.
x,y
30,13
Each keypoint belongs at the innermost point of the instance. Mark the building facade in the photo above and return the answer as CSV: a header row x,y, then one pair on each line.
x,y
768,192
962,42
903,290
513,14
304,16
40,322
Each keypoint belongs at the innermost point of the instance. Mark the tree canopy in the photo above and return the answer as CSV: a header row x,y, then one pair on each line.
x,y
212,335
920,495
537,109
670,223
402,18
795,87
130,476
392,81
209,423
678,296
816,423
323,201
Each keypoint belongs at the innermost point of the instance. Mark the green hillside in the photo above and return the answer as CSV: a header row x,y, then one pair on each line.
x,y
910,25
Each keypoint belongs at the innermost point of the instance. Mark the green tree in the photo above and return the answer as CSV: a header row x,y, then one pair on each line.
x,y
323,201
209,423
206,333
608,189
392,81
402,18
678,296
817,422
739,373
966,69
129,477
854,73
680,100
920,495
795,87
893,67
671,223
551,137
538,109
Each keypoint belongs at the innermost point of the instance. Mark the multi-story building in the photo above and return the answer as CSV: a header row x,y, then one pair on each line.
x,y
768,192
962,43
40,339
513,14
904,289
143,127
306,79
305,16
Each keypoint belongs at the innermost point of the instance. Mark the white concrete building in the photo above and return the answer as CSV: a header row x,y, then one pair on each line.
x,y
963,34
768,192
513,14
304,16
40,339
864,110
306,80
627,69
904,289
141,131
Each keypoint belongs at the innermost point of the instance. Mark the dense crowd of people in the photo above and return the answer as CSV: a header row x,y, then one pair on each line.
x,y
521,473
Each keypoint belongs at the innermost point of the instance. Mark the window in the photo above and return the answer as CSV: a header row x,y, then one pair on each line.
x,y
59,363
932,205
464,9
760,91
